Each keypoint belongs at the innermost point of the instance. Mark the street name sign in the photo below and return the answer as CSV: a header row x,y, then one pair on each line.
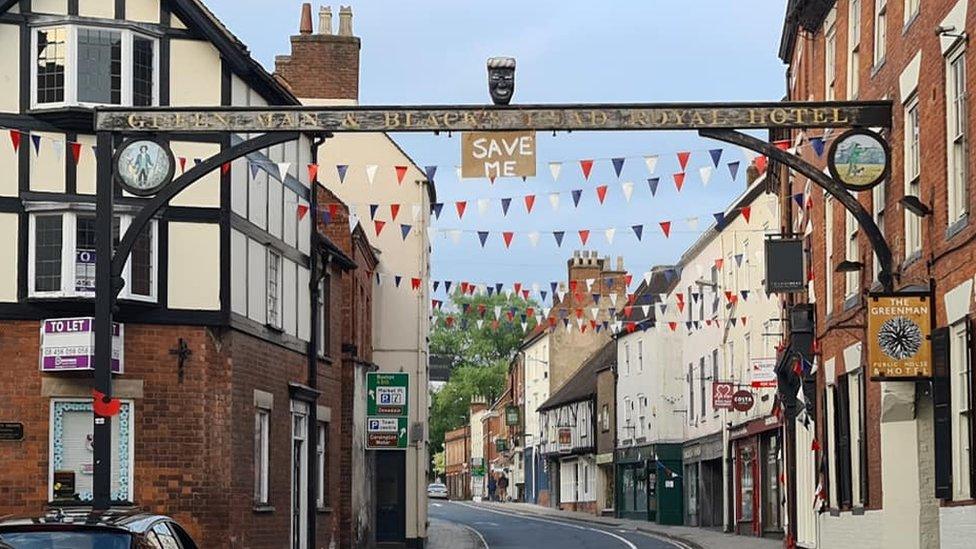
x,y
387,410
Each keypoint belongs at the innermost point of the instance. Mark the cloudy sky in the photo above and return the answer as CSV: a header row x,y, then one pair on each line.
x,y
433,52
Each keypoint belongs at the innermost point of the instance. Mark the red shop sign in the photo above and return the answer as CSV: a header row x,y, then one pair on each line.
x,y
743,401
722,396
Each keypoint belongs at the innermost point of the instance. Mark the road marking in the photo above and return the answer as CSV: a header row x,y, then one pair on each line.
x,y
557,522
436,504
477,533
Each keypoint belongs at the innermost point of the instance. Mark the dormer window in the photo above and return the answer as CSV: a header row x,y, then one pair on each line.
x,y
89,66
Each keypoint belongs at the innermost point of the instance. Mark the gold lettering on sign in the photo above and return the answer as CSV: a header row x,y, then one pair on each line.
x,y
819,116
697,119
715,116
392,119
450,118
638,118
350,121
756,117
778,116
838,119
598,118
798,115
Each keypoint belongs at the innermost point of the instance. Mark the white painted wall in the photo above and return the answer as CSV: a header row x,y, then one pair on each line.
x,y
536,358
659,382
195,70
194,266
10,69
8,257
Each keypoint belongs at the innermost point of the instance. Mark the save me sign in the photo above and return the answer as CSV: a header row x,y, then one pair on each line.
x,y
498,154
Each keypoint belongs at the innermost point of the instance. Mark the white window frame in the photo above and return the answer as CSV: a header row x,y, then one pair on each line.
x,y
273,308
854,48
852,253
957,144
879,198
262,455
880,31
830,56
959,375
71,65
323,317
640,355
627,358
69,225
913,168
854,382
829,254
321,433
912,8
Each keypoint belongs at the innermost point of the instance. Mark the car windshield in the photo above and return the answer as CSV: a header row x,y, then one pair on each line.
x,y
65,540
436,487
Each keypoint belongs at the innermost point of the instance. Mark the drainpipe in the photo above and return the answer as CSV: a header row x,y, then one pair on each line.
x,y
313,347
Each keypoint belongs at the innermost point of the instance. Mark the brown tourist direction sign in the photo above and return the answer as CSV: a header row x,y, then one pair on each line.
x,y
647,116
899,331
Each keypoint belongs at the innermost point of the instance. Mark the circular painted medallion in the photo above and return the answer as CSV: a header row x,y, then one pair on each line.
x,y
143,166
859,159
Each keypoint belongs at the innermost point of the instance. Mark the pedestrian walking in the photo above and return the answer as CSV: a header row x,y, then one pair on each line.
x,y
492,486
502,488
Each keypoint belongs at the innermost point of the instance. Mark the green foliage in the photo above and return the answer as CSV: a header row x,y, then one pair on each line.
x,y
479,358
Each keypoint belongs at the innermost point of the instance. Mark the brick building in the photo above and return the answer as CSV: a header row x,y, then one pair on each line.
x,y
234,367
457,463
895,458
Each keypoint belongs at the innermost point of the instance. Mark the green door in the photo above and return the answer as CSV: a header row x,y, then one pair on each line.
x,y
670,494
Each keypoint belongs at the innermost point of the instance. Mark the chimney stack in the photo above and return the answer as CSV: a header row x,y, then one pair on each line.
x,y
322,65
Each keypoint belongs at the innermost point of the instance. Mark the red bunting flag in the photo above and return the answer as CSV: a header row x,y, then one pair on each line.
x,y
719,263
333,209
629,278
601,193
761,163
182,161
680,297
683,159
681,306
666,228
507,236
302,211
672,325
746,212
586,166
552,322
449,321
628,310
530,311
743,320
572,285
631,326
529,202
728,296
15,137
461,205
517,286
579,313
224,168
378,225
584,236
782,144
313,172
815,446
394,210
400,172
679,180
415,283
76,152
494,325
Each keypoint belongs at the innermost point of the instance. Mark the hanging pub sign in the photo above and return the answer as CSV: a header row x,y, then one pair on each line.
x,y
511,415
742,401
498,154
899,330
763,373
859,159
722,396
143,166
565,438
784,265
68,345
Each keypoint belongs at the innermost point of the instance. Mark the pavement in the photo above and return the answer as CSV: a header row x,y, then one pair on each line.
x,y
543,533
449,535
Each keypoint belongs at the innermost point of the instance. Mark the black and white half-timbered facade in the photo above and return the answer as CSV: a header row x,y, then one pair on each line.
x,y
222,425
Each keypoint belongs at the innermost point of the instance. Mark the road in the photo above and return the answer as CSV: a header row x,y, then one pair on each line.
x,y
508,529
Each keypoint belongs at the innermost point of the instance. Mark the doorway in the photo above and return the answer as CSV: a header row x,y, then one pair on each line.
x,y
391,497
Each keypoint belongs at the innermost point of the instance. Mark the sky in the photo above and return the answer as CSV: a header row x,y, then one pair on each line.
x,y
434,52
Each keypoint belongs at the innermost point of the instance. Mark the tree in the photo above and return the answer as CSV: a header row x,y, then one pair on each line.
x,y
479,356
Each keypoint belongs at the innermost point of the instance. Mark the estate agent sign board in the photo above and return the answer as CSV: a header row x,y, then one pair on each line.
x,y
387,410
899,328
68,345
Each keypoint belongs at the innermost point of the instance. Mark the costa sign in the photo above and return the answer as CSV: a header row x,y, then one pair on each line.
x,y
743,401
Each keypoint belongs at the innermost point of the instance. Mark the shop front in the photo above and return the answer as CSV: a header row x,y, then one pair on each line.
x,y
649,483
704,494
757,481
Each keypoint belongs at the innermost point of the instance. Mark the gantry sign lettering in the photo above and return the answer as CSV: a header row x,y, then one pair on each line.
x,y
672,116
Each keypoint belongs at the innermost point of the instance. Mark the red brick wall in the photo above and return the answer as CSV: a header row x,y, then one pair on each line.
x,y
321,66
947,261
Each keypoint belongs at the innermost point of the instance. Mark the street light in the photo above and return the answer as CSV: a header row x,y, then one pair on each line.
x,y
914,205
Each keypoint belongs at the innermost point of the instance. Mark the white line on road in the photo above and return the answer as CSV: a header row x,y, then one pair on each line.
x,y
477,533
557,522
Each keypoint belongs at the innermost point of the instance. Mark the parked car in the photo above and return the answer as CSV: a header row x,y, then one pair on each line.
x,y
436,490
83,528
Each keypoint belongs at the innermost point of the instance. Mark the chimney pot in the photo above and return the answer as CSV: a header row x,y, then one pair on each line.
x,y
620,263
325,20
345,20
305,26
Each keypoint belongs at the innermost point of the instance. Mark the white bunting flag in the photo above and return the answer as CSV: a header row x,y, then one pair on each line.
x,y
589,284
568,327
554,200
498,312
545,311
594,311
533,239
353,221
371,173
283,168
609,234
525,325
561,294
628,189
538,319
613,299
554,169
646,309
692,223
706,174
415,212
483,204
647,278
455,235
480,323
651,162
535,287
579,323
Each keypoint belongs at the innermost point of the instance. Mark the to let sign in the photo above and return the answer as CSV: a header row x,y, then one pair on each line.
x,y
68,344
899,330
498,154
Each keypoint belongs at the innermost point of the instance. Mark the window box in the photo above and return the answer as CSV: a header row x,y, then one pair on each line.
x,y
87,66
61,257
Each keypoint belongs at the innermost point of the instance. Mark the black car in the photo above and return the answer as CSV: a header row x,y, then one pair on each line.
x,y
83,528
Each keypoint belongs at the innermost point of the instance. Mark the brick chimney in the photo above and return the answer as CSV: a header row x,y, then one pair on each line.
x,y
322,65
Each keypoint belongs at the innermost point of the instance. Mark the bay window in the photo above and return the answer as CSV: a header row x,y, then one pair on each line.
x,y
78,65
63,250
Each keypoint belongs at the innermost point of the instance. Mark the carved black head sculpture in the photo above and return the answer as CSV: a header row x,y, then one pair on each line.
x,y
501,79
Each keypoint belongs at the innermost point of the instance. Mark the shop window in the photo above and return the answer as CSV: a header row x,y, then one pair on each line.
x,y
852,253
72,448
78,65
701,385
63,250
262,462
691,394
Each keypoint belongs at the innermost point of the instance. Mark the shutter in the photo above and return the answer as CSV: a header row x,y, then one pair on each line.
x,y
863,442
942,413
842,430
972,386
